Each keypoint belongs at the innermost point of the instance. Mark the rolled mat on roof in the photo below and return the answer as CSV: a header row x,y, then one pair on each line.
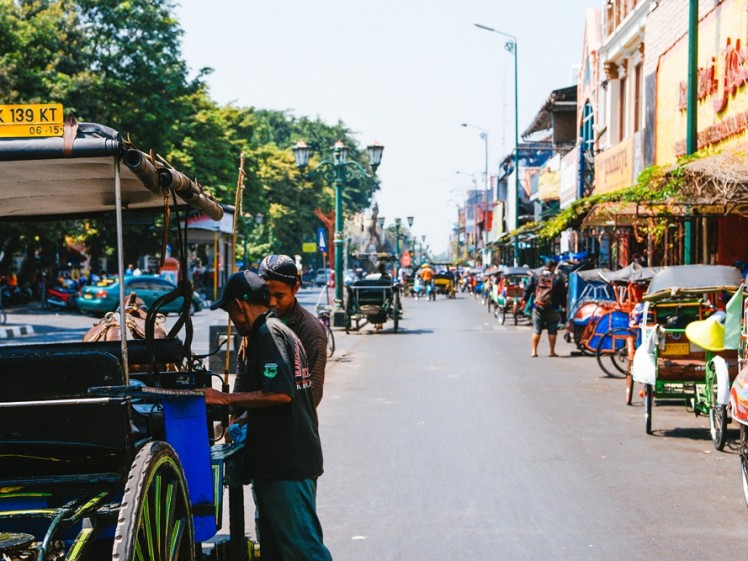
x,y
161,179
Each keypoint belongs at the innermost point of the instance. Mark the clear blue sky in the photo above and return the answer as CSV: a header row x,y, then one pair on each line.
x,y
404,72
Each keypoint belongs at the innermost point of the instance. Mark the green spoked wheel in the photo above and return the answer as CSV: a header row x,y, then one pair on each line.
x,y
155,519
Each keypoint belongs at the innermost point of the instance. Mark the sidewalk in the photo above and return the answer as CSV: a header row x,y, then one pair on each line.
x,y
29,320
11,331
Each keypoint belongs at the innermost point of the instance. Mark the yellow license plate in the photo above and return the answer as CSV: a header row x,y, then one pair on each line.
x,y
31,119
676,349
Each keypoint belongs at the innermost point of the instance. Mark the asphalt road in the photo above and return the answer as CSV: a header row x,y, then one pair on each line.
x,y
447,441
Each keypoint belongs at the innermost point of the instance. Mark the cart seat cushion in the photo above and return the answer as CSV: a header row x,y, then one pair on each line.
x,y
681,369
40,376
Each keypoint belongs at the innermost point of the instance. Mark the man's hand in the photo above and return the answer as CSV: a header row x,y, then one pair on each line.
x,y
214,397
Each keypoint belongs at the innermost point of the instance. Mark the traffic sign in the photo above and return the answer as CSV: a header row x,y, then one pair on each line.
x,y
309,247
321,241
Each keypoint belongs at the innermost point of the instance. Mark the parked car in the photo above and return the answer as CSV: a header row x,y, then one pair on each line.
x,y
104,297
322,277
307,277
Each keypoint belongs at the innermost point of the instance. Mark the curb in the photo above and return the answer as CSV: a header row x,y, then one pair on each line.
x,y
15,331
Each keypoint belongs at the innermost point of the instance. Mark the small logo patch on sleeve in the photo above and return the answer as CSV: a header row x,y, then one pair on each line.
x,y
271,369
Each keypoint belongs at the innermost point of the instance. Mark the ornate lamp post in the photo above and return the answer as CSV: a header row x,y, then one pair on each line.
x,y
484,198
380,223
339,171
511,46
398,223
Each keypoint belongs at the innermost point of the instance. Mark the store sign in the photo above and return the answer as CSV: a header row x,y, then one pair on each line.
x,y
722,85
569,185
614,167
548,185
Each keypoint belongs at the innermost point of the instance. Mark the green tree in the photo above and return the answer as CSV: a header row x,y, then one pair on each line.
x,y
119,63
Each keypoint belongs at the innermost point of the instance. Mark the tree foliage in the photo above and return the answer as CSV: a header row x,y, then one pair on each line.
x,y
119,63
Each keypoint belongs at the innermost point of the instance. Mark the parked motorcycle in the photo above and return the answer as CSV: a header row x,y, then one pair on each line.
x,y
15,295
60,298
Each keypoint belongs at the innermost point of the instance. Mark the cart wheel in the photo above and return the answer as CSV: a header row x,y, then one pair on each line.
x,y
744,461
718,425
648,402
155,519
629,388
614,362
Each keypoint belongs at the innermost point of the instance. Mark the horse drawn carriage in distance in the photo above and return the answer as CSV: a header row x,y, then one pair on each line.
x,y
100,460
376,297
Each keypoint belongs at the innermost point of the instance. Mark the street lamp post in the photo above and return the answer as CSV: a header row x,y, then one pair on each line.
x,y
511,46
398,223
339,171
484,137
412,239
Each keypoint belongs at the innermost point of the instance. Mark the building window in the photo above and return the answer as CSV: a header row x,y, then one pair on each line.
x,y
637,96
622,108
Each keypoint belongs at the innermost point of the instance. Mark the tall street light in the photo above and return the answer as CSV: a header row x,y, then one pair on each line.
x,y
339,171
484,137
511,46
398,223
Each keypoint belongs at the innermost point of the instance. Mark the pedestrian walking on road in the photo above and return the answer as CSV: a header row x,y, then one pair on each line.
x,y
549,292
283,454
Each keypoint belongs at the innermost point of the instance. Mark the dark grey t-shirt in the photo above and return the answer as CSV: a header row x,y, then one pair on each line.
x,y
282,440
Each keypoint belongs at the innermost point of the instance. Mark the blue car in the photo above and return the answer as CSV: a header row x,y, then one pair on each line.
x,y
103,297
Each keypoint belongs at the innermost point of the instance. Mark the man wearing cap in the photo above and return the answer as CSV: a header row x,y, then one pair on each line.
x,y
549,291
283,455
283,280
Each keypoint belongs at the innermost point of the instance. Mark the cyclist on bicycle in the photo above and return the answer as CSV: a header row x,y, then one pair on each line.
x,y
283,280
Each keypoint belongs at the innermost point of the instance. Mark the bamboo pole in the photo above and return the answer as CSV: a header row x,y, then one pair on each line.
x,y
232,252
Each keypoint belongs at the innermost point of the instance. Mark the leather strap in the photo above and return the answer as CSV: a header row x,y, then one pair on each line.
x,y
69,132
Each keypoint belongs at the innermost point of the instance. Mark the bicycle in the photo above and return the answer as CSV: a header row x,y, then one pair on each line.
x,y
323,314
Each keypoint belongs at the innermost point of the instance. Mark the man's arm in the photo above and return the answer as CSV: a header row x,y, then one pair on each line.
x,y
248,400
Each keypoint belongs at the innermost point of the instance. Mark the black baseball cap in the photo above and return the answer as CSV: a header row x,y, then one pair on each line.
x,y
244,285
